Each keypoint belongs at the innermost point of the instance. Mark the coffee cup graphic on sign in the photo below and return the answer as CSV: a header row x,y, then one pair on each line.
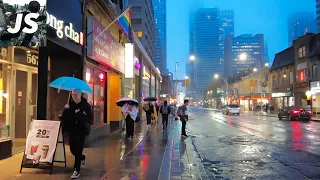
x,y
45,149
34,147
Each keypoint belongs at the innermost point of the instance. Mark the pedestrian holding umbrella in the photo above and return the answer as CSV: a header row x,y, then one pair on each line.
x,y
130,112
76,117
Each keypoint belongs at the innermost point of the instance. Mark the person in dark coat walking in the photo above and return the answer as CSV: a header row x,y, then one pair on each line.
x,y
165,111
148,108
184,118
77,118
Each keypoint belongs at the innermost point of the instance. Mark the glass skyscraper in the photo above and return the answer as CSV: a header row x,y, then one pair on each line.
x,y
159,7
206,47
300,23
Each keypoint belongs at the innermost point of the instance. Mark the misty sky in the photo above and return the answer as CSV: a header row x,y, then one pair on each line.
x,y
268,17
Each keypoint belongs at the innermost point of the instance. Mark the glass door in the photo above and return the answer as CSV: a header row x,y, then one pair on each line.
x,y
25,104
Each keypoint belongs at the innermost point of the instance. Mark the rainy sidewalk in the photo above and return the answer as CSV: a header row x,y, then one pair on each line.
x,y
162,154
102,156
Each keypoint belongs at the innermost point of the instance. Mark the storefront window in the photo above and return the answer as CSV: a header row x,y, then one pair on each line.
x,y
96,80
5,71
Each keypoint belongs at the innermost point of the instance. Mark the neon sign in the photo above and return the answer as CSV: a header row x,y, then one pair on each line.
x,y
137,65
64,30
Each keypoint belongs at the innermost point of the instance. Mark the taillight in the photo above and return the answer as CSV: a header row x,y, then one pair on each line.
x,y
295,112
309,112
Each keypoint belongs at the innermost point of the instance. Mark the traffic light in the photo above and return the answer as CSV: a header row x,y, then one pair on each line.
x,y
218,90
313,98
187,82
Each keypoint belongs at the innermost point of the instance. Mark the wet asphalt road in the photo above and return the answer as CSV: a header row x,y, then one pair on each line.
x,y
254,147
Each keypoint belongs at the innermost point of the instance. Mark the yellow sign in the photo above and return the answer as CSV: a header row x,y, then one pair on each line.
x,y
146,74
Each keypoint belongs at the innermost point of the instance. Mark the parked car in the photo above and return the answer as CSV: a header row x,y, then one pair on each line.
x,y
293,113
231,109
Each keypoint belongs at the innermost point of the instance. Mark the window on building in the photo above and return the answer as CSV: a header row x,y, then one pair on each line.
x,y
284,78
136,9
274,80
315,72
139,34
279,79
291,77
136,21
302,51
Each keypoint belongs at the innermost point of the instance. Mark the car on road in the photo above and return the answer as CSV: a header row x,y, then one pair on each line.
x,y
231,109
293,113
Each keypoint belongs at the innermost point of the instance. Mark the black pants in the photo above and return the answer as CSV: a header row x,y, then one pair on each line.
x,y
184,123
129,126
76,144
148,119
165,120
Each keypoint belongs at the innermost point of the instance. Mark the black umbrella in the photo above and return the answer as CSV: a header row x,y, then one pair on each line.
x,y
122,101
150,99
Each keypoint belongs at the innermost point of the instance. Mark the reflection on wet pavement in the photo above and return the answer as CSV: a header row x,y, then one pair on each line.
x,y
253,147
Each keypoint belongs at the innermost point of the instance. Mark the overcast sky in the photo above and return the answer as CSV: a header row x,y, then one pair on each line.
x,y
268,17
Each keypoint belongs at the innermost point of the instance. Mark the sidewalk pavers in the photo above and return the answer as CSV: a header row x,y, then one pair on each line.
x,y
153,153
102,156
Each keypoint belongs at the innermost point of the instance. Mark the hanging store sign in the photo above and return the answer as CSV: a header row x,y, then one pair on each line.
x,y
136,63
282,94
103,47
315,86
129,60
64,30
302,86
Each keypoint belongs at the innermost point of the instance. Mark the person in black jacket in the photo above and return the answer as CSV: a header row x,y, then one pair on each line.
x,y
165,111
148,108
77,118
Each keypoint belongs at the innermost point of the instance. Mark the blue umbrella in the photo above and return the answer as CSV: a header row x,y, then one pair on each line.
x,y
70,84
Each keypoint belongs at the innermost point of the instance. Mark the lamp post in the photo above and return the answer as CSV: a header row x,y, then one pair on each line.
x,y
191,58
227,85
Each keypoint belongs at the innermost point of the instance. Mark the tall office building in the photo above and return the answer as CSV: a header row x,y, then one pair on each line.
x,y
226,28
266,53
142,19
318,14
243,53
190,64
159,7
206,47
300,23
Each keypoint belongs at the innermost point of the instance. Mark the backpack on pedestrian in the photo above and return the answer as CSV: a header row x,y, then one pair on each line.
x,y
165,109
179,112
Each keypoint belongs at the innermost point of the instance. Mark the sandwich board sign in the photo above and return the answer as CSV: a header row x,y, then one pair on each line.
x,y
43,141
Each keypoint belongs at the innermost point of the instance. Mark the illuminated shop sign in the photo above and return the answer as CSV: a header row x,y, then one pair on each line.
x,y
146,73
64,30
137,65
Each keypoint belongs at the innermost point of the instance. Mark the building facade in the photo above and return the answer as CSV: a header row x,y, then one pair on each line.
x,y
300,23
143,23
247,53
160,17
318,15
302,64
283,78
226,28
248,91
206,47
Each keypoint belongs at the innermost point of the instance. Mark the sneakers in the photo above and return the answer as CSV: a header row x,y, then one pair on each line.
x,y
83,163
184,135
75,175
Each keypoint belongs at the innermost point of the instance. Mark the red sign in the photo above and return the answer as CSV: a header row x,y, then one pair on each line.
x,y
103,47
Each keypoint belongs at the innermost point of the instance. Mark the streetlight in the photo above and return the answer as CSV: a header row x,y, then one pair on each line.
x,y
227,85
186,77
243,56
191,58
